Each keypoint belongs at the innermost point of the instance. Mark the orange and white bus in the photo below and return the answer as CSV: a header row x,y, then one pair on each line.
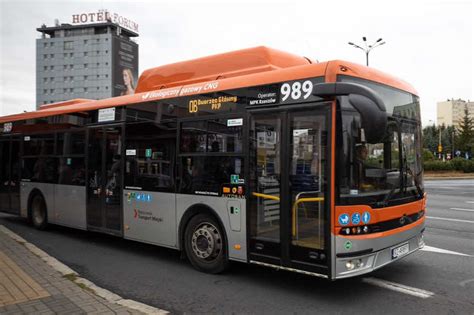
x,y
256,156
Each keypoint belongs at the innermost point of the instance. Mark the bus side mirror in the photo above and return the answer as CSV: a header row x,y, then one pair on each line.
x,y
365,100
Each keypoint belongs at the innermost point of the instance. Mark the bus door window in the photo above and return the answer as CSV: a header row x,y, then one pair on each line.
x,y
308,147
265,177
113,166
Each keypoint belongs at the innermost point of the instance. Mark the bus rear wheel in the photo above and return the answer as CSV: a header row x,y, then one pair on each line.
x,y
205,244
38,213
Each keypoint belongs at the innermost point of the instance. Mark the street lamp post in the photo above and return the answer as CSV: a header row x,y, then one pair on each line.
x,y
368,48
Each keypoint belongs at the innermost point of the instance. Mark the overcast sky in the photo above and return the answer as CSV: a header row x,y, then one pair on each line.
x,y
429,43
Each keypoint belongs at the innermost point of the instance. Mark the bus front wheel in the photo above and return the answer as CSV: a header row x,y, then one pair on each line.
x,y
38,213
205,244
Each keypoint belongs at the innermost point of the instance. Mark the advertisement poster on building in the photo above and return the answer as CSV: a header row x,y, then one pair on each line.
x,y
125,67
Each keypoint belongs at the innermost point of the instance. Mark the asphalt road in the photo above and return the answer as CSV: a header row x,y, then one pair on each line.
x,y
159,277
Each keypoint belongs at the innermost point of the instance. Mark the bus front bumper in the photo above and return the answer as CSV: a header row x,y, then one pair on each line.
x,y
375,253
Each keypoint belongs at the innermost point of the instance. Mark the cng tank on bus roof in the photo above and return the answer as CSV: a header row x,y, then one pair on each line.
x,y
226,65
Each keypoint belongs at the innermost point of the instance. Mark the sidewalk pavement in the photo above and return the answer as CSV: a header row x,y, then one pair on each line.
x,y
29,285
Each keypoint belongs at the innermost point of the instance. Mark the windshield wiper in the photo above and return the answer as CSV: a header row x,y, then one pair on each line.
x,y
384,202
415,179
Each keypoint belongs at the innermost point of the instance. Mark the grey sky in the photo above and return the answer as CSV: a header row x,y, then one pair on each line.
x,y
429,43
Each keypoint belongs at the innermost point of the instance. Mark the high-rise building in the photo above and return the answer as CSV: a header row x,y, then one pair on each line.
x,y
451,112
86,60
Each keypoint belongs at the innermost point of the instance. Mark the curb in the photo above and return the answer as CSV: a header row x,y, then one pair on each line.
x,y
74,277
447,178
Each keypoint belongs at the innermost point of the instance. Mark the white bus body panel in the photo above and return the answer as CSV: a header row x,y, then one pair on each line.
x,y
150,217
66,204
70,206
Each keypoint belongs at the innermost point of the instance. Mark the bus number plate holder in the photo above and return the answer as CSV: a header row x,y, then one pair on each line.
x,y
400,251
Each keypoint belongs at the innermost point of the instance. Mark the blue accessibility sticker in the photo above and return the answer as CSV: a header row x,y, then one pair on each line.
x,y
344,219
355,218
366,217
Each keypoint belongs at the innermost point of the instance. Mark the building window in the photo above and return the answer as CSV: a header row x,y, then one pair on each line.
x,y
71,67
97,40
64,90
106,63
51,55
51,44
106,51
51,91
45,68
45,56
98,76
85,89
45,80
71,78
45,91
71,55
98,64
98,52
86,66
70,90
51,79
65,55
85,77
85,41
51,67
65,67
68,45
85,54
106,87
45,45
98,88
106,75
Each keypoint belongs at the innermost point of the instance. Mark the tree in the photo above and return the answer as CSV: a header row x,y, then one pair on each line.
x,y
430,138
465,131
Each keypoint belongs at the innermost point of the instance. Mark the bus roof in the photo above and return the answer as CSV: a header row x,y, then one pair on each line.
x,y
238,69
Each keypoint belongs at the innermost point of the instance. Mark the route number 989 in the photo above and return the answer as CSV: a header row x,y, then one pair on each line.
x,y
296,90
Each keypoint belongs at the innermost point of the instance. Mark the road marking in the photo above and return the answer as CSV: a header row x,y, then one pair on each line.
x,y
449,219
427,248
399,287
462,209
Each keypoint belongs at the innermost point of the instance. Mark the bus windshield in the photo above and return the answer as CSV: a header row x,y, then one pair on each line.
x,y
384,173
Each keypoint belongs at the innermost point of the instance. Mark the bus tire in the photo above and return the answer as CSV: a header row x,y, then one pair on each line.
x,y
205,244
38,212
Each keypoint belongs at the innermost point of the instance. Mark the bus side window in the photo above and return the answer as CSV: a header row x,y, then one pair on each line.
x,y
150,157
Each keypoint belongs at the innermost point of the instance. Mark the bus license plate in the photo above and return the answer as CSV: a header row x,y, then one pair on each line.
x,y
400,251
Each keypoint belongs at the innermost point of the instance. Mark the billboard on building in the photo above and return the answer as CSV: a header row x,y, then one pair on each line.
x,y
124,66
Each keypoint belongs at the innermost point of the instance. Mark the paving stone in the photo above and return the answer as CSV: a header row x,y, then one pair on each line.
x,y
31,286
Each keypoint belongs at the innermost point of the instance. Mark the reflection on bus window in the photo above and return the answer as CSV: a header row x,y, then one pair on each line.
x,y
207,174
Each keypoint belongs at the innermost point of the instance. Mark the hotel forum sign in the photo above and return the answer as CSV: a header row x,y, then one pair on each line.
x,y
104,16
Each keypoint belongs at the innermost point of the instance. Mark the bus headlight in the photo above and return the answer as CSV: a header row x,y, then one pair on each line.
x,y
350,265
354,264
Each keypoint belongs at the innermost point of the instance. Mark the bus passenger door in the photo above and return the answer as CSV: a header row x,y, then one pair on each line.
x,y
289,223
10,175
104,180
5,175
